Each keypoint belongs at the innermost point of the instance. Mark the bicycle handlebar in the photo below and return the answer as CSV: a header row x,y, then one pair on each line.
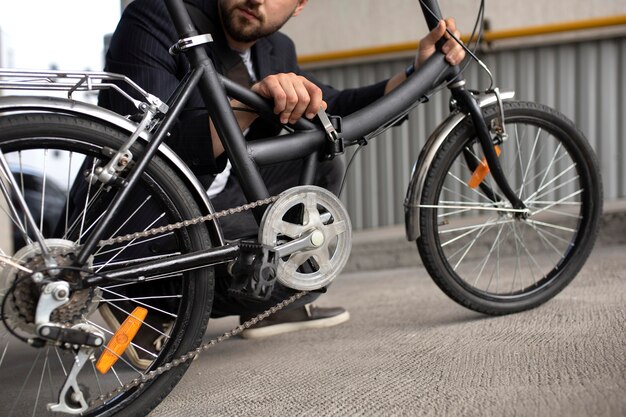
x,y
432,13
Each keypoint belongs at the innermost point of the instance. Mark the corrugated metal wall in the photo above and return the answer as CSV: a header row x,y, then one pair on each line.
x,y
585,80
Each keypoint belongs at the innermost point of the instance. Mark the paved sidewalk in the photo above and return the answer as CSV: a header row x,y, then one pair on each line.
x,y
408,350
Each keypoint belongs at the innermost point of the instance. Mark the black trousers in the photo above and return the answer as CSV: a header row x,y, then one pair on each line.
x,y
278,178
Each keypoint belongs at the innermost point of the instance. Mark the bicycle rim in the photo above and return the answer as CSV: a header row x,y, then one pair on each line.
x,y
485,254
178,304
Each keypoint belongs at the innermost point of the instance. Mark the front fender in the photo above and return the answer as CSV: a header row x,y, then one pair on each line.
x,y
30,104
422,165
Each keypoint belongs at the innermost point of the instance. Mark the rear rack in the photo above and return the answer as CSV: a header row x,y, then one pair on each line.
x,y
73,81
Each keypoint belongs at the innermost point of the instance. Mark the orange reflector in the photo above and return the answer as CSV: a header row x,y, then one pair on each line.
x,y
121,339
481,171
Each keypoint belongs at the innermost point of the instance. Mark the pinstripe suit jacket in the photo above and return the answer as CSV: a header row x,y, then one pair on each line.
x,y
139,49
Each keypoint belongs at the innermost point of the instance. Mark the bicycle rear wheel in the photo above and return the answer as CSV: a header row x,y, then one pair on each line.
x,y
52,151
476,247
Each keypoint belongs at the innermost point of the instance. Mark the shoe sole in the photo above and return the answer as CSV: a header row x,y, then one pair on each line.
x,y
277,329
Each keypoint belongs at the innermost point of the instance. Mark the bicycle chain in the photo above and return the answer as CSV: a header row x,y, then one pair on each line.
x,y
194,353
145,378
187,223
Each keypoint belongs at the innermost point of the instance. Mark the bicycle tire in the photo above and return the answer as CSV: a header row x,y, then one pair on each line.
x,y
482,256
182,300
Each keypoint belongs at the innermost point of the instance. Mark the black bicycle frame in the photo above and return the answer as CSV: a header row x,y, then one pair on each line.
x,y
306,142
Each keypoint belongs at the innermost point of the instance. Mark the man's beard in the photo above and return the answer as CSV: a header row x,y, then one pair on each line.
x,y
238,27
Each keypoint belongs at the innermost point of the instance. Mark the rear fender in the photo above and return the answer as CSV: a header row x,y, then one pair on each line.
x,y
30,104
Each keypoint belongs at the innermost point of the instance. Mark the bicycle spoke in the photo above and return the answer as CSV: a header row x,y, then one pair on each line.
x,y
122,249
560,212
473,190
4,353
532,152
536,176
547,170
554,226
561,186
529,256
153,297
43,372
60,361
96,377
466,198
557,177
19,395
484,263
43,188
119,381
548,232
7,260
473,227
481,231
84,213
546,240
105,289
67,192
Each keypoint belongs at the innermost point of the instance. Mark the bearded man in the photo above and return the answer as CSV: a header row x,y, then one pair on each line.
x,y
247,30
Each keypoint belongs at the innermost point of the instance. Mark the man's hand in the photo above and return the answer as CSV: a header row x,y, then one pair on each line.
x,y
293,96
454,52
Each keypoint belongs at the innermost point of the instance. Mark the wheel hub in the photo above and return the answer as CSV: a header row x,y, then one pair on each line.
x,y
23,292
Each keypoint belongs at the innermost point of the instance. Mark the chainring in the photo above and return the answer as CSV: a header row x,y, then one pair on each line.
x,y
300,211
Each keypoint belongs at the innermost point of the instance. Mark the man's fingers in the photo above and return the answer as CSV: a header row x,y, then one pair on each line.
x,y
434,35
297,103
293,96
315,103
451,25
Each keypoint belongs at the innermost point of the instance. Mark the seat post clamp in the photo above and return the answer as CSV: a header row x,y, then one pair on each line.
x,y
187,43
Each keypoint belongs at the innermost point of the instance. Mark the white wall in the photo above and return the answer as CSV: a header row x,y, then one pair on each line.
x,y
336,25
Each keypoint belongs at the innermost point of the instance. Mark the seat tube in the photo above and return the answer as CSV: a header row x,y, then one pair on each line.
x,y
214,96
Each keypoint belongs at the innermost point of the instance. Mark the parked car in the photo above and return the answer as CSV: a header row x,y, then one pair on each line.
x,y
32,183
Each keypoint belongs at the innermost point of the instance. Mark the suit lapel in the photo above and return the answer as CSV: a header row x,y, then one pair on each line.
x,y
266,63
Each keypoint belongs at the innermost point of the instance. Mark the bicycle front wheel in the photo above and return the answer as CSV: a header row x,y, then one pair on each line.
x,y
50,155
483,253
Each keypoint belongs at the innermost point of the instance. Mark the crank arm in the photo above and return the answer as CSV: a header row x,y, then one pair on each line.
x,y
311,240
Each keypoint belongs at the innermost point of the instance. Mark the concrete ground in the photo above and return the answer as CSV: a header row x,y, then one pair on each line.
x,y
408,350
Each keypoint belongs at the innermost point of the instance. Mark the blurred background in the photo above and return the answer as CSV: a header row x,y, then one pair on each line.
x,y
568,54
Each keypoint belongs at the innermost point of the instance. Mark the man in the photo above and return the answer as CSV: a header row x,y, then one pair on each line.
x,y
249,30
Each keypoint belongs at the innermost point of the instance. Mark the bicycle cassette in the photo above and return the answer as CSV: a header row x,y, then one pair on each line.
x,y
310,231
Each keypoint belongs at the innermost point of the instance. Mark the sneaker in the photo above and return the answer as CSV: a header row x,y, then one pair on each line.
x,y
285,321
148,341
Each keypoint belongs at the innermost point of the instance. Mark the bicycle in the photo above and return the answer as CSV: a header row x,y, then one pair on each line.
x,y
498,183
